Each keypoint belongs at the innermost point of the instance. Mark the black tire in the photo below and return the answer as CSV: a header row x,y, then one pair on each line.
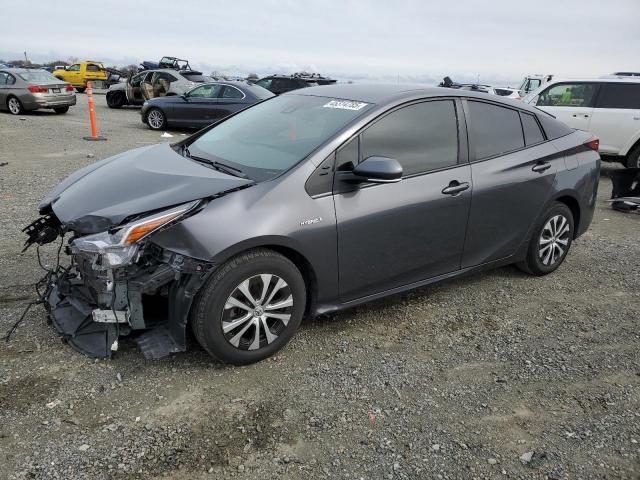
x,y
633,158
211,308
115,99
80,89
540,260
14,105
156,119
60,110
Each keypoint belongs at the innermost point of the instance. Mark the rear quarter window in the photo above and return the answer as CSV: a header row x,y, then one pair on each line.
x,y
552,127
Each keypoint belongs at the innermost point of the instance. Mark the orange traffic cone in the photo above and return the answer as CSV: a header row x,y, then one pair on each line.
x,y
92,116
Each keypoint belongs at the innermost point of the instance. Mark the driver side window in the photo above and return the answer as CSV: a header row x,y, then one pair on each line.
x,y
206,91
422,137
74,68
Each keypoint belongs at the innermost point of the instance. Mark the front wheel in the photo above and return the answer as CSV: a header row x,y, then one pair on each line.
x,y
14,106
550,242
250,308
60,110
156,119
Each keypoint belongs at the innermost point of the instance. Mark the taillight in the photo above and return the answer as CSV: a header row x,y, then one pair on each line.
x,y
37,89
593,144
69,88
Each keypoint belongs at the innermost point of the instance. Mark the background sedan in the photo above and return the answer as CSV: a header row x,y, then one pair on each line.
x,y
24,89
203,105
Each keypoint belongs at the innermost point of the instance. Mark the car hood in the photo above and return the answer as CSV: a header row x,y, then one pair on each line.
x,y
102,195
170,99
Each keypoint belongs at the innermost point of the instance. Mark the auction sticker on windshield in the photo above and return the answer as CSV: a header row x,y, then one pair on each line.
x,y
345,104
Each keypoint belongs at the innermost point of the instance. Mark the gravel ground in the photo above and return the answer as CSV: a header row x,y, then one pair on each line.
x,y
496,375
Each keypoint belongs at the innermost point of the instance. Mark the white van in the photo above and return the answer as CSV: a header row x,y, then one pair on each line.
x,y
607,107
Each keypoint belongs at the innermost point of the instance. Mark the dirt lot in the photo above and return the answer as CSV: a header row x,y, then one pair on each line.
x,y
497,375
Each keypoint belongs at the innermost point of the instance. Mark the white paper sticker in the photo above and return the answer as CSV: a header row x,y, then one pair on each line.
x,y
345,104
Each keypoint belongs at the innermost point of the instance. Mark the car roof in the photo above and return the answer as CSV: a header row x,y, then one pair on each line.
x,y
18,70
614,79
387,93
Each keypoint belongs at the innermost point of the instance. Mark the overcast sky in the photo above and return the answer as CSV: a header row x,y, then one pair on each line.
x,y
356,39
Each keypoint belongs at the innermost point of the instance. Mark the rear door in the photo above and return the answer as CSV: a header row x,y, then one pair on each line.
x,y
74,75
570,102
4,88
511,179
395,234
616,116
231,100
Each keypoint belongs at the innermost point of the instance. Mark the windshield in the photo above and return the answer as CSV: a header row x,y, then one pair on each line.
x,y
38,76
273,136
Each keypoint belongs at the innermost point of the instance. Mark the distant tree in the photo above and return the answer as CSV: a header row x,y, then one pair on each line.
x,y
252,77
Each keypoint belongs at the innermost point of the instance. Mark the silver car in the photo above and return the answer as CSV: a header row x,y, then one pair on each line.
x,y
23,89
149,84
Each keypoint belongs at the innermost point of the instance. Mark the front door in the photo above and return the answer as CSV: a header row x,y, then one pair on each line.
x,y
201,106
391,235
571,103
134,95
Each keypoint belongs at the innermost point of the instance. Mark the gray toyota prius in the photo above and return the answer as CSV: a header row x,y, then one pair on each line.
x,y
306,203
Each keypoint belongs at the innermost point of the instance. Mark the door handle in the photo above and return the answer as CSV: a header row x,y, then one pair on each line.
x,y
541,167
455,188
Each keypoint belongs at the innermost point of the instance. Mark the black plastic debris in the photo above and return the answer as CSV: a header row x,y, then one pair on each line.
x,y
625,195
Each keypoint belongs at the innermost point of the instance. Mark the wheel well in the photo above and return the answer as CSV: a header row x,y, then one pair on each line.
x,y
574,206
632,150
305,268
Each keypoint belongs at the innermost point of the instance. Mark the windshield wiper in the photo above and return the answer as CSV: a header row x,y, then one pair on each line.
x,y
229,170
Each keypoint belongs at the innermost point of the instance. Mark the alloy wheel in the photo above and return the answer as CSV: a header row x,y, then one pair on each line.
x,y
14,105
155,119
554,240
257,311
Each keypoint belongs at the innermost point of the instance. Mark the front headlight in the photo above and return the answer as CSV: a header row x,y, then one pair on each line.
x,y
120,247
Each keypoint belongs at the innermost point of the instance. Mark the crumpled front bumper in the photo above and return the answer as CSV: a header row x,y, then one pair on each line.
x,y
92,309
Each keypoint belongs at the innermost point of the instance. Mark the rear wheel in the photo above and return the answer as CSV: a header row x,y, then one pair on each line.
x,y
80,89
250,308
156,119
61,110
633,158
115,99
550,242
14,106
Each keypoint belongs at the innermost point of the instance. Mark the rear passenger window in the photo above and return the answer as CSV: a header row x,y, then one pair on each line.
x,y
493,130
568,95
422,137
619,95
532,132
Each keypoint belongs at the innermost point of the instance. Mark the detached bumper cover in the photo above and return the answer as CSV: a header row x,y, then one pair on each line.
x,y
70,308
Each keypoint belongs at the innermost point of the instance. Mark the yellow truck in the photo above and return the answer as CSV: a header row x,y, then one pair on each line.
x,y
79,73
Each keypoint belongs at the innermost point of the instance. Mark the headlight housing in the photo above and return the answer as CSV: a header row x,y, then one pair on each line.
x,y
119,248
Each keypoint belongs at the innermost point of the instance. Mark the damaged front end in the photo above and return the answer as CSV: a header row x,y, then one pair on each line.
x,y
118,282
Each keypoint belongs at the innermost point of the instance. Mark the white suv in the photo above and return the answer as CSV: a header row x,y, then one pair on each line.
x,y
607,107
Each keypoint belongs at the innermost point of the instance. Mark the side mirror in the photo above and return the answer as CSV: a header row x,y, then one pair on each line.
x,y
378,170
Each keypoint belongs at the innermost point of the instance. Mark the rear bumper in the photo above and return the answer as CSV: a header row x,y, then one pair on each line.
x,y
33,102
